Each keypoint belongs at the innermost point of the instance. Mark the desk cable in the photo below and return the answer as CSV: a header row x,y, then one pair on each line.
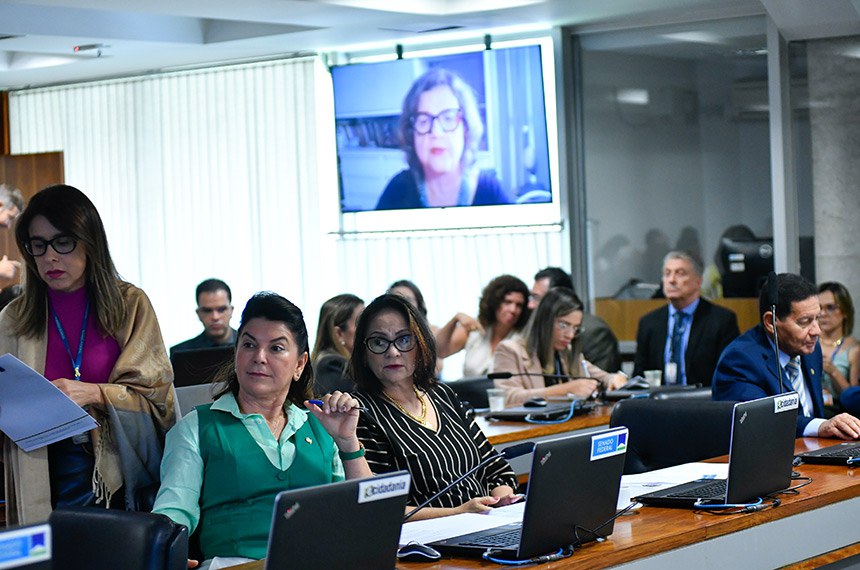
x,y
593,532
493,556
570,414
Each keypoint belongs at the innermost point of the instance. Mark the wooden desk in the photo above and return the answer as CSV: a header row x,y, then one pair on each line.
x,y
819,519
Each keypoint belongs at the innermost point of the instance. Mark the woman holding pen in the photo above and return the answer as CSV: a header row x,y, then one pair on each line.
x,y
549,345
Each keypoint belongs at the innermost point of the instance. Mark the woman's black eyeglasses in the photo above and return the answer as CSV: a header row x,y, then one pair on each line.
x,y
379,345
62,244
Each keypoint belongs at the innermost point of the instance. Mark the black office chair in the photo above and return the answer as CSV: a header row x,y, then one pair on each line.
x,y
96,538
671,432
685,392
472,391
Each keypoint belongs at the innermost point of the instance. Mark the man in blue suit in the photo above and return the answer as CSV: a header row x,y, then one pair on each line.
x,y
747,369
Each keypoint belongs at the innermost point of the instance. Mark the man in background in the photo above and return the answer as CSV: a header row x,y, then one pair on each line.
x,y
214,309
599,344
685,338
748,368
11,205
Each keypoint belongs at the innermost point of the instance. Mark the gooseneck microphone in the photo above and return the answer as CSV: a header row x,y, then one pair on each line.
x,y
507,453
772,300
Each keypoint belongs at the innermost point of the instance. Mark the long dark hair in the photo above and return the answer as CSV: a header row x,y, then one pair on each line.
x,y
272,307
70,211
425,344
843,301
538,334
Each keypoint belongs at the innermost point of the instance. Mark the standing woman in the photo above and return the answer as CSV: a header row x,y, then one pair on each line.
x,y
415,423
333,345
96,338
549,345
840,351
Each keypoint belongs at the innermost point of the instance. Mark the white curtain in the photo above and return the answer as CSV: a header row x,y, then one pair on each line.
x,y
230,172
210,173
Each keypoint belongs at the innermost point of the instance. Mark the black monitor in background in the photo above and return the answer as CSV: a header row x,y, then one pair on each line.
x,y
199,365
746,264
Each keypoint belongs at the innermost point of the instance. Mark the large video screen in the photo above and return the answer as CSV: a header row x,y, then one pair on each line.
x,y
451,131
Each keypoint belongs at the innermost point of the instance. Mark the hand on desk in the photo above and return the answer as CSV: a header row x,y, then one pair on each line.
x,y
843,426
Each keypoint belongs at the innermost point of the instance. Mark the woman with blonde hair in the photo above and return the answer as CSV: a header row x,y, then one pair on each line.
x,y
334,342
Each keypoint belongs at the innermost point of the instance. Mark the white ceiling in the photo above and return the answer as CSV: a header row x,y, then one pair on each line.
x,y
137,36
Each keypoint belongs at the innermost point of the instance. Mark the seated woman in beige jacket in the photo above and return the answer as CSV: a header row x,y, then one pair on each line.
x,y
548,345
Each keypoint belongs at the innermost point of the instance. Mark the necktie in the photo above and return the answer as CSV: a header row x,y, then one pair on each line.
x,y
677,348
792,370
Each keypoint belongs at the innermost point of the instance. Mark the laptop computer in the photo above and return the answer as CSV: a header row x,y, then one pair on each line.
x,y
572,493
838,454
761,451
361,516
199,365
549,412
26,547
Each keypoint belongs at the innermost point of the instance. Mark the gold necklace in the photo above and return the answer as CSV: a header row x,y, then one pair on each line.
x,y
421,419
836,343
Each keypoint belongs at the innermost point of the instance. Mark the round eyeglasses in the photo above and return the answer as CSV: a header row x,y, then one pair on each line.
x,y
449,119
63,243
379,344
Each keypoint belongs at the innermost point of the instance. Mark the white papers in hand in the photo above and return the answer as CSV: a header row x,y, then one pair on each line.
x,y
34,412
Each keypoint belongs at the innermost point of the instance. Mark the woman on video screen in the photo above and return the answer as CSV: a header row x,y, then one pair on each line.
x,y
440,130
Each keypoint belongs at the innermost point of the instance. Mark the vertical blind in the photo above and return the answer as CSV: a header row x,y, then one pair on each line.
x,y
230,172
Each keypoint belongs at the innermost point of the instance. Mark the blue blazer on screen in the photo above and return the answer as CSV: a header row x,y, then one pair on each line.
x,y
747,371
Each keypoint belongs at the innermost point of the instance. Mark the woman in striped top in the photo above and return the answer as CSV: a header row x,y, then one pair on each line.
x,y
415,423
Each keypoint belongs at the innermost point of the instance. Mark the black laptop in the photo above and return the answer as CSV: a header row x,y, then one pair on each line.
x,y
761,451
549,412
346,525
571,498
838,454
199,365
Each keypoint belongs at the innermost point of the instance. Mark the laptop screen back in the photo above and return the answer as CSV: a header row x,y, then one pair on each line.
x,y
762,447
573,489
346,525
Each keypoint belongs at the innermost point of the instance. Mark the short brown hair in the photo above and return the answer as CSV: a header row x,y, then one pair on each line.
x,y
493,295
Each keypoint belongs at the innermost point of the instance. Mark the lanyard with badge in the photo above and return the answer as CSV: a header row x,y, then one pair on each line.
x,y
77,360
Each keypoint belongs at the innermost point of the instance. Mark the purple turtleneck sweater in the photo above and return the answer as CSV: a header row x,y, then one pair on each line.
x,y
100,349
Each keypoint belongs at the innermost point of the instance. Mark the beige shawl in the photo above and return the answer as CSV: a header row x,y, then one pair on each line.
x,y
139,410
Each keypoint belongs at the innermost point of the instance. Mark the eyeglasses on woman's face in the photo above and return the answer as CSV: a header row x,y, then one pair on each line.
x,y
449,120
62,244
380,344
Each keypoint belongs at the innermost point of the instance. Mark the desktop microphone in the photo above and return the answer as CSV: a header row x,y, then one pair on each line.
x,y
507,453
773,299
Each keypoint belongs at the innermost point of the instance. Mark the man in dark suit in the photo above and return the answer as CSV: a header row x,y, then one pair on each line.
x,y
747,369
599,344
685,338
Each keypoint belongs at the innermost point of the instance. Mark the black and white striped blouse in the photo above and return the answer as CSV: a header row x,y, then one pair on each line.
x,y
433,458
